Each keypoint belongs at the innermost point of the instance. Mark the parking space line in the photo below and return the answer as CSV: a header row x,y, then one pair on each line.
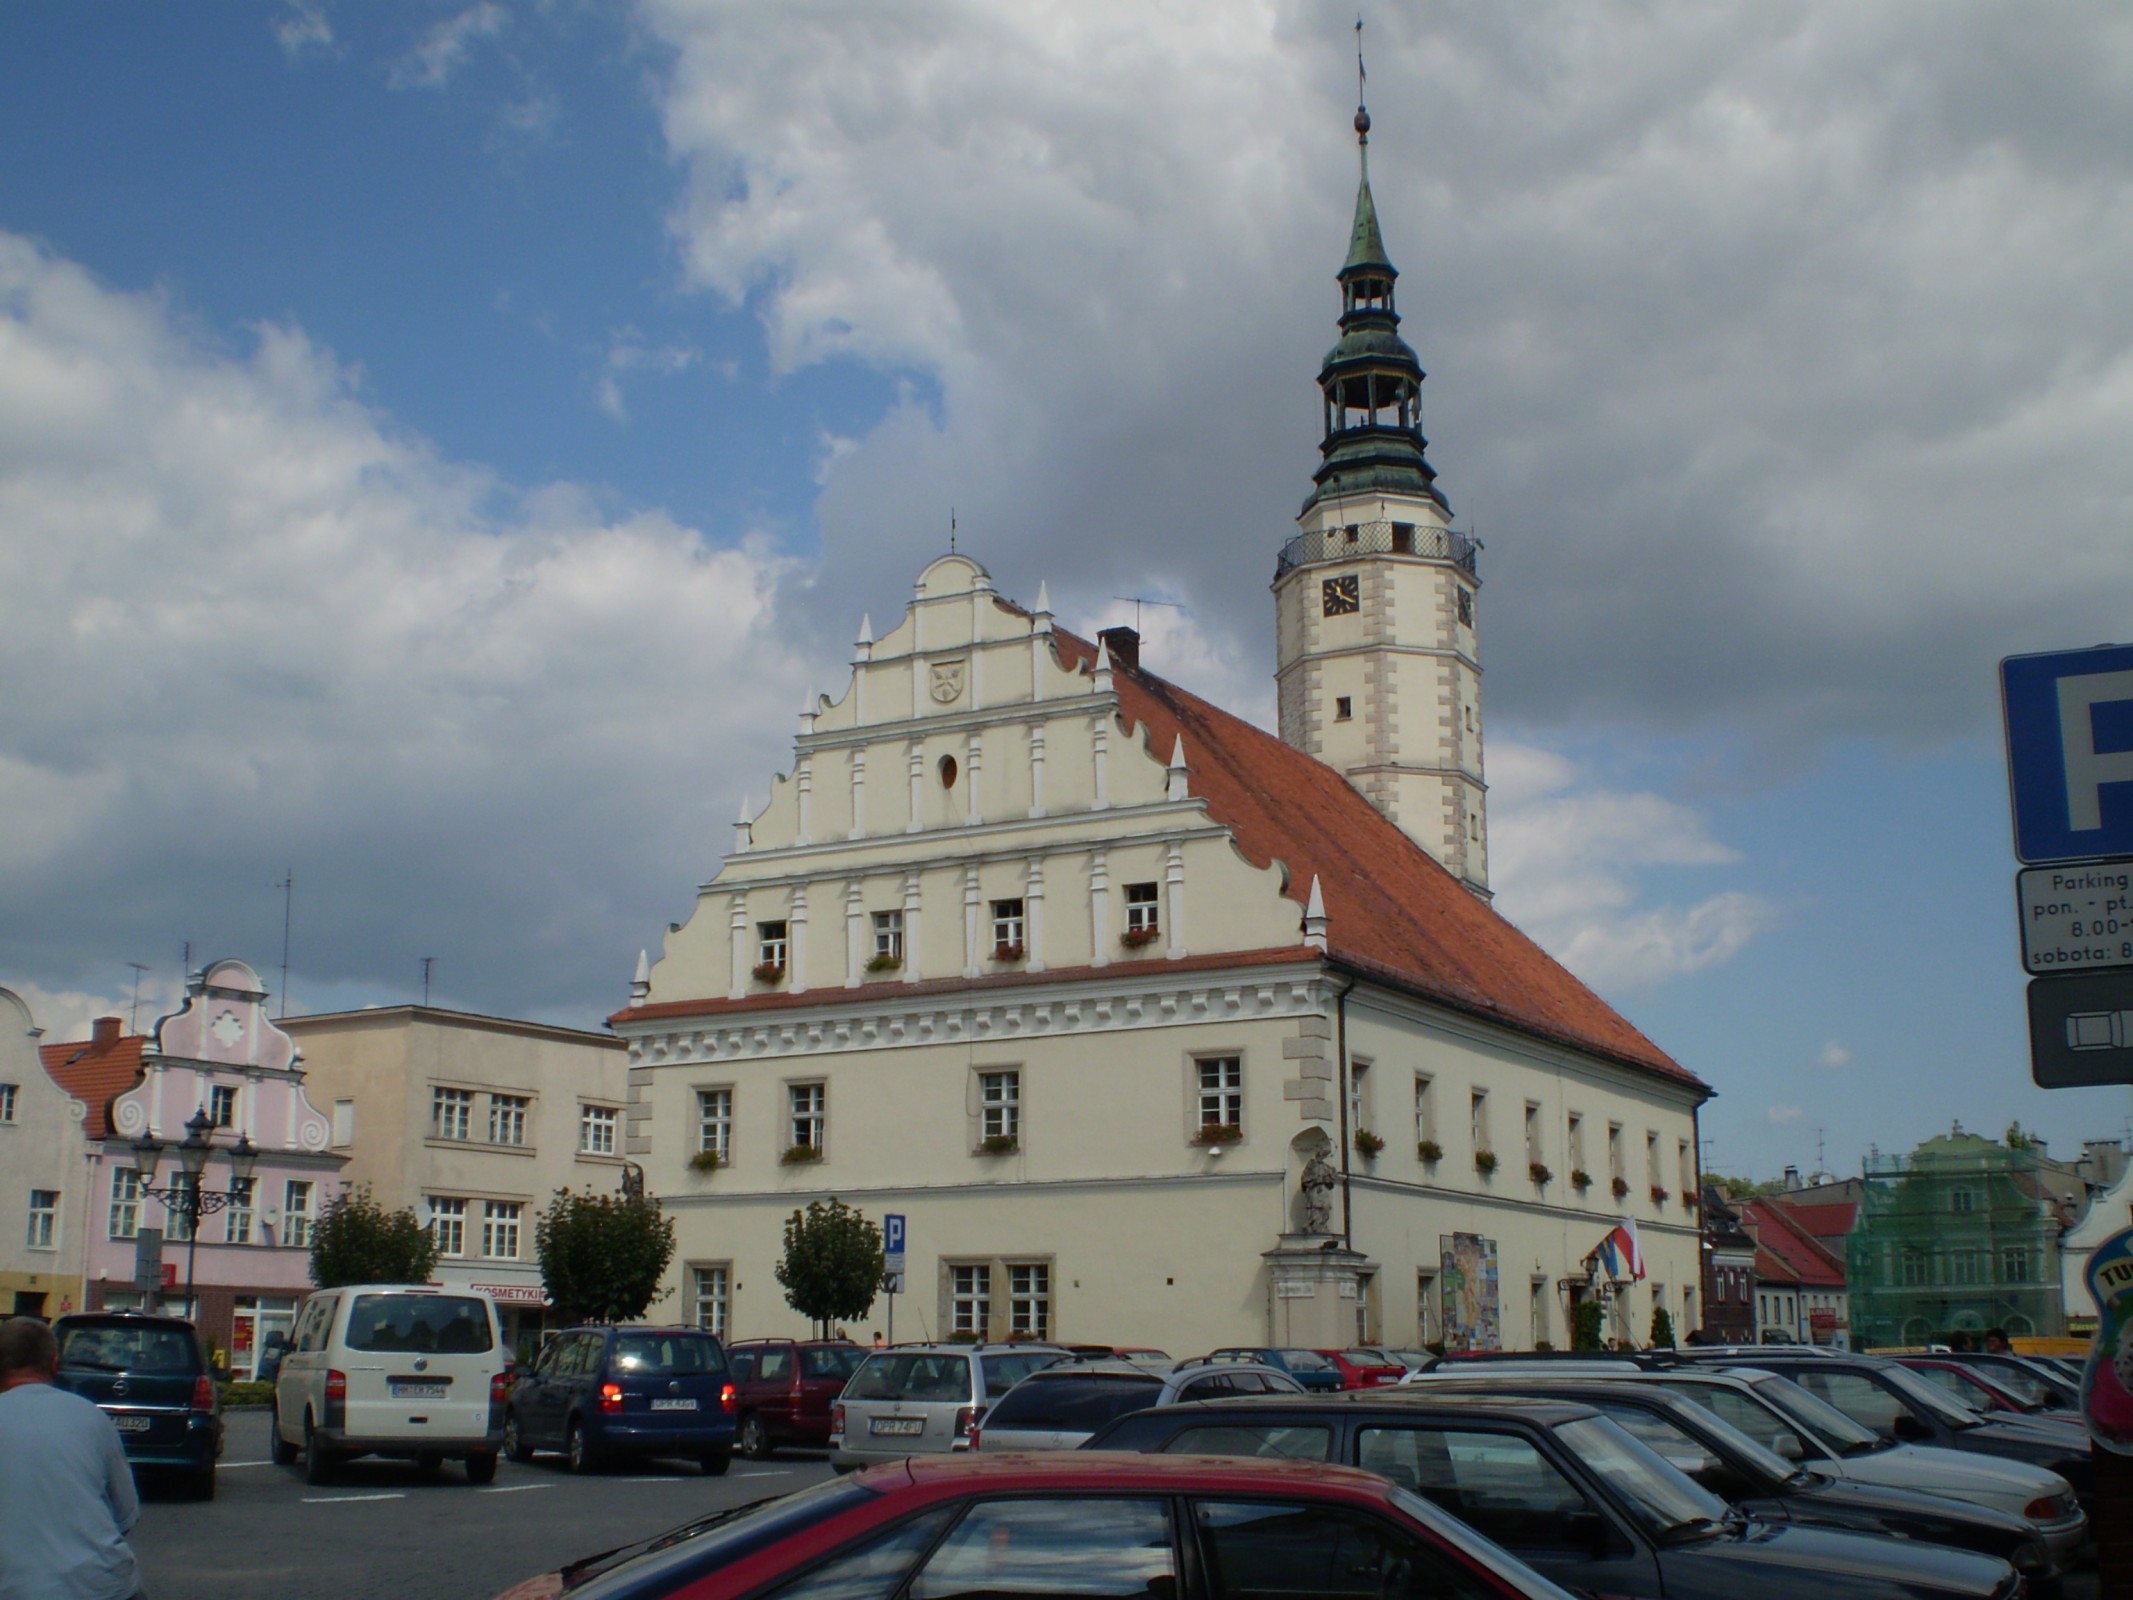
x,y
344,1499
766,1472
231,1466
514,1488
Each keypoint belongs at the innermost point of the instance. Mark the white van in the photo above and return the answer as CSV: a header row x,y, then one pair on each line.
x,y
393,1369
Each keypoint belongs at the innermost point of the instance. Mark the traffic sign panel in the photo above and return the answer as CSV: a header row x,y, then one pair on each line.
x,y
2070,752
2076,918
892,1243
2081,1030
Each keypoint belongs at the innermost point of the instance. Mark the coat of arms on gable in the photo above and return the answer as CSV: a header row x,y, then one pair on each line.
x,y
947,681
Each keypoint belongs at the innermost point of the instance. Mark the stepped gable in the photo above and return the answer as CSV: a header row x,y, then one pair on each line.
x,y
1391,910
96,1072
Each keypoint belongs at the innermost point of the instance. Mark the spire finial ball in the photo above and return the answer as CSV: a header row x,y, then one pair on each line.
x,y
1362,122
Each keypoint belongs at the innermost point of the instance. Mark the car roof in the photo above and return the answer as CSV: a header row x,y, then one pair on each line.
x,y
1095,1367
1391,1401
1109,1469
130,1319
805,1344
1612,1386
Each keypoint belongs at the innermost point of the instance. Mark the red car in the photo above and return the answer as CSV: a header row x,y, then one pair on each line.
x,y
784,1388
1096,1523
1977,1388
1363,1369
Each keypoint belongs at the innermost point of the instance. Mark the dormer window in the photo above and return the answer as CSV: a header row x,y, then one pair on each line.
x,y
770,944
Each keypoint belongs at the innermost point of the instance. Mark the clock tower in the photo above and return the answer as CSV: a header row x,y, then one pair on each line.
x,y
1378,664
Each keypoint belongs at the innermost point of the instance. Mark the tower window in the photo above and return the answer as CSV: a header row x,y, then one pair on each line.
x,y
1343,708
1466,608
947,770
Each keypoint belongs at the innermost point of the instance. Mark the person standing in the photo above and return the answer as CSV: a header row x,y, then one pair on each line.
x,y
66,1492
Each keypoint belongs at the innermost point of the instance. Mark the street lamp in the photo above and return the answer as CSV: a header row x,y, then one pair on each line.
x,y
187,1198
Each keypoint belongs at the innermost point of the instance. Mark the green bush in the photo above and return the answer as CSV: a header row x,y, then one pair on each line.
x,y
247,1394
1662,1329
1586,1326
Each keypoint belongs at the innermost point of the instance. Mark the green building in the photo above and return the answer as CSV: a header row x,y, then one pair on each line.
x,y
1962,1233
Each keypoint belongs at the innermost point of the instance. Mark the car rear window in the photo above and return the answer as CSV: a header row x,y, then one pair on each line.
x,y
433,1324
1003,1372
672,1353
1080,1403
115,1347
673,1559
831,1363
911,1375
1307,1361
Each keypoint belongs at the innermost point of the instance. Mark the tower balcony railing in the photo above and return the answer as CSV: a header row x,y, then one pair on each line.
x,y
1378,539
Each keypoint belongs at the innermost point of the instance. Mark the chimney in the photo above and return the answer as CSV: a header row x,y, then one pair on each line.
x,y
1125,646
106,1033
1792,1178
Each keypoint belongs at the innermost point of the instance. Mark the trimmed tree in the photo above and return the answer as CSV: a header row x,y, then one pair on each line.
x,y
602,1255
833,1262
1662,1329
1586,1324
356,1240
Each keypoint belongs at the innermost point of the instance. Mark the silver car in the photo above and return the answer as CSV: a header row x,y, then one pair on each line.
x,y
924,1399
1057,1408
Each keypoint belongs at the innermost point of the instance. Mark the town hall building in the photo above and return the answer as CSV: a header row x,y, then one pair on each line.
x,y
1157,1028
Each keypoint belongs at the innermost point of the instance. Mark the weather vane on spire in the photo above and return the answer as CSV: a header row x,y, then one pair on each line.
x,y
1362,81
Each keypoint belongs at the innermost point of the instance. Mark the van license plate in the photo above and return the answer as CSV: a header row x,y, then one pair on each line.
x,y
673,1405
418,1391
905,1426
131,1424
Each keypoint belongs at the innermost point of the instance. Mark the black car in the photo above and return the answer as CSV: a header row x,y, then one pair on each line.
x,y
150,1376
1895,1403
1567,1491
595,1393
1769,1488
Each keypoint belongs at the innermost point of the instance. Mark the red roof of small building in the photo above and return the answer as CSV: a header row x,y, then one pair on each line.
x,y
1778,1233
96,1072
1392,912
1828,1220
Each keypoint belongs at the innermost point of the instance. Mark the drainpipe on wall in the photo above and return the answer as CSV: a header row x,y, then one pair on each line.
x,y
1340,1012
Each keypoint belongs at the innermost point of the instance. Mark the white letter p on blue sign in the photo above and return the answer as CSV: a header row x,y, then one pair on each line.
x,y
2070,752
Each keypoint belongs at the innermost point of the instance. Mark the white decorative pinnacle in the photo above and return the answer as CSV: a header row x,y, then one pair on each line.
x,y
641,984
1103,665
864,644
1042,618
808,711
743,830
1315,917
1175,788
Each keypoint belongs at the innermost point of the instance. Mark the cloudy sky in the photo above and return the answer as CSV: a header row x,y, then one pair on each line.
x,y
440,445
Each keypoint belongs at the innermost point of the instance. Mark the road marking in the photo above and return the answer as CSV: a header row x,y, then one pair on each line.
x,y
344,1499
766,1472
515,1488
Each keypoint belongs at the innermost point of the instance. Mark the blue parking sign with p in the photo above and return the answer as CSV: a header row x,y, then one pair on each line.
x,y
2070,752
892,1237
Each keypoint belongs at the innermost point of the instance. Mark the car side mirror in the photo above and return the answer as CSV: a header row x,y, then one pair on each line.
x,y
1788,1445
1909,1429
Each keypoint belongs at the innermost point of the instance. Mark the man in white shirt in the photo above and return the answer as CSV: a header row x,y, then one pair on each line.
x,y
66,1492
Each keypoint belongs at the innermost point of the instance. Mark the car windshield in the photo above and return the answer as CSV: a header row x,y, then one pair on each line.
x,y
1003,1372
1817,1416
1961,1387
119,1347
912,1375
1910,1386
1306,1361
665,1563
679,1354
1074,1402
1759,1457
2031,1388
1659,1496
432,1324
833,1362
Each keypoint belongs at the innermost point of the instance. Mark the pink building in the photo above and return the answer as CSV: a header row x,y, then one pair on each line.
x,y
218,1072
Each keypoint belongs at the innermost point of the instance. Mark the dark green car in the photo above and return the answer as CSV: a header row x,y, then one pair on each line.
x,y
150,1376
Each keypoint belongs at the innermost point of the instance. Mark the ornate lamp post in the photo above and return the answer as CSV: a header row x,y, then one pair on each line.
x,y
187,1198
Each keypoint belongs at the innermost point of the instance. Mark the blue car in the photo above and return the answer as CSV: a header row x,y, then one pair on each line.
x,y
150,1377
599,1393
1307,1367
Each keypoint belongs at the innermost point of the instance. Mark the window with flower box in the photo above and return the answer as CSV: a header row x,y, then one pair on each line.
x,y
1000,1106
1029,1300
1220,1094
1008,927
771,945
970,1299
714,1124
810,1114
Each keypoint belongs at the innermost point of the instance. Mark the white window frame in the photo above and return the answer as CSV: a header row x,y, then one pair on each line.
x,y
1358,1096
1029,1299
1574,1138
180,1224
1533,1133
1218,1091
888,936
8,1092
598,1129
296,1196
1425,1108
1000,1103
43,1230
970,1297
773,943
1478,1121
221,1105
807,1108
123,1221
451,1114
238,1216
507,1118
711,1296
1144,902
502,1222
1429,1311
448,1225
1009,924
714,1121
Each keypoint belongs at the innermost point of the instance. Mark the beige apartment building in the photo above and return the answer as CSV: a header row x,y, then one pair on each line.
x,y
43,1177
1154,1027
474,1122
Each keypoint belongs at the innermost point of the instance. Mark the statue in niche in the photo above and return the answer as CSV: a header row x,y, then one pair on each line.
x,y
632,1181
1317,1185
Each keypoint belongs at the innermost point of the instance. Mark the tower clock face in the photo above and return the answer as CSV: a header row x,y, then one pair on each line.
x,y
1342,595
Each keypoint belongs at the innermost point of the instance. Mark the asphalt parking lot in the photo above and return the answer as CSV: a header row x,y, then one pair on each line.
x,y
388,1528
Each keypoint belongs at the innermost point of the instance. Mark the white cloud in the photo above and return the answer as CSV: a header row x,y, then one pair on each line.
x,y
1784,1115
445,48
1834,1056
1565,856
303,30
268,628
627,352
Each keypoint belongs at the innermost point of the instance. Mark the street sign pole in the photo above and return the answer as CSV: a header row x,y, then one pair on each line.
x,y
892,1262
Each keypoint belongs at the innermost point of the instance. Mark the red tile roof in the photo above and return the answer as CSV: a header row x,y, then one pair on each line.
x,y
95,1073
1831,1220
1779,1233
1392,913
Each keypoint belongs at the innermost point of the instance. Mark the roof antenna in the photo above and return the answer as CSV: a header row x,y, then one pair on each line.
x,y
1362,79
1137,601
427,963
133,1017
287,886
951,530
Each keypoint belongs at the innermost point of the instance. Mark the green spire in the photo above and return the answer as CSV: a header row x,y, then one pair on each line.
x,y
1366,246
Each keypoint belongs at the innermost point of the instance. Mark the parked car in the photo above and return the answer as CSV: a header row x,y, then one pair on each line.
x,y
1068,1523
1986,1391
1783,1417
1570,1493
1307,1367
598,1393
924,1399
784,1388
150,1377
1770,1488
2038,1380
1057,1408
1365,1369
385,1369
